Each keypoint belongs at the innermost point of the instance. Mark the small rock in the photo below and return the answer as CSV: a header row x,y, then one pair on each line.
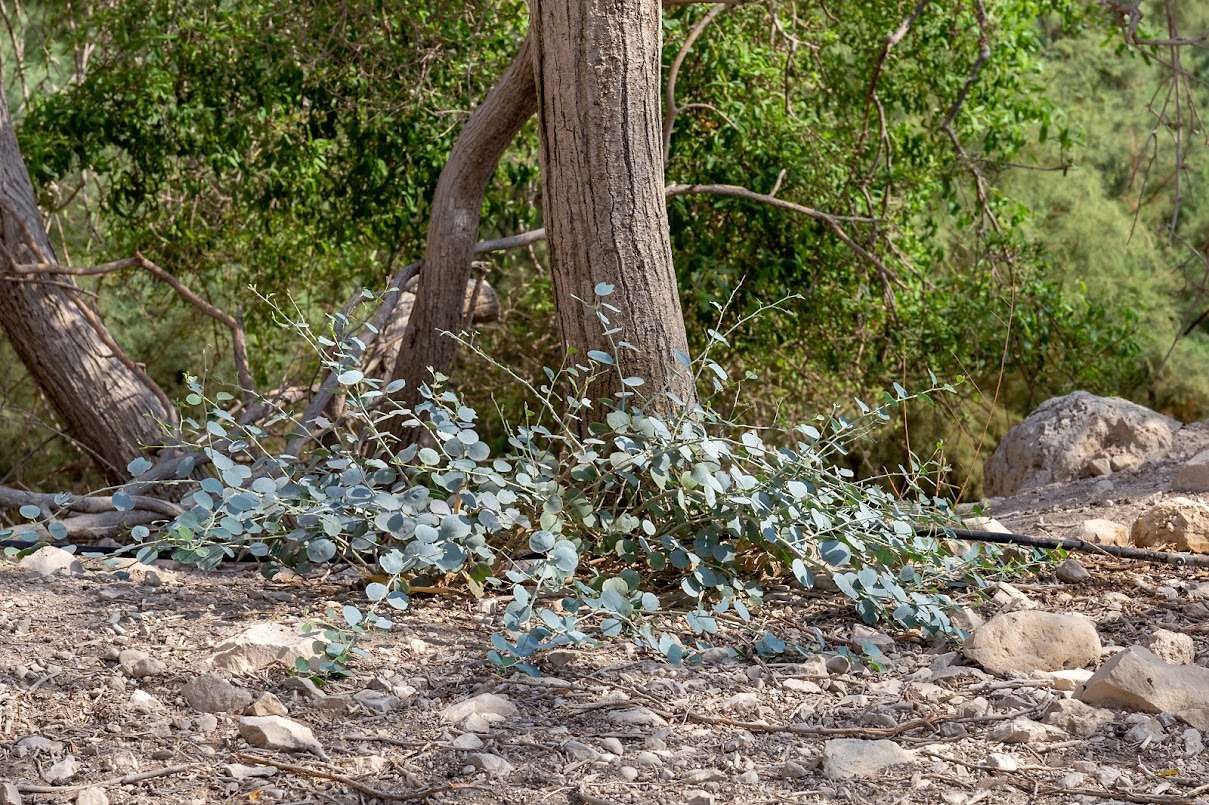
x,y
1172,647
9,795
1193,475
1024,730
267,705
49,560
1104,532
717,655
210,693
702,776
698,798
613,746
648,759
1069,679
481,705
262,645
1145,729
1071,572
1009,599
1033,641
801,686
92,796
838,664
636,717
1138,680
144,702
847,758
138,664
749,777
241,772
576,750
1077,718
1194,743
1179,523
1001,762
378,702
476,723
62,771
744,702
305,685
275,732
467,742
628,773
206,723
1073,780
494,765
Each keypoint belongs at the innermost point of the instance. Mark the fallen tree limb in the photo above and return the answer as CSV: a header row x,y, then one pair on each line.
x,y
137,777
1140,554
356,785
14,498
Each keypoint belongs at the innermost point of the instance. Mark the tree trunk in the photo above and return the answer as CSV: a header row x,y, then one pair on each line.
x,y
105,402
597,65
453,225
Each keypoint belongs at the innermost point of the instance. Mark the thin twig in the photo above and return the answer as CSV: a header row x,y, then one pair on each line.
x,y
390,796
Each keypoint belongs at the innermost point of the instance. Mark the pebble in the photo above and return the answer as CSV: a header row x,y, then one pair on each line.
x,y
492,764
613,746
210,693
628,773
481,705
1073,780
61,772
1001,762
275,732
698,798
1071,571
749,777
268,705
637,717
138,664
1194,743
9,795
144,702
648,759
92,796
467,742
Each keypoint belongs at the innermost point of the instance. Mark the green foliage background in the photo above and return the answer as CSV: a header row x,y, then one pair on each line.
x,y
295,149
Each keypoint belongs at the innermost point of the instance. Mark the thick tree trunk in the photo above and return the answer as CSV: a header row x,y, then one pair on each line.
x,y
454,223
104,403
597,64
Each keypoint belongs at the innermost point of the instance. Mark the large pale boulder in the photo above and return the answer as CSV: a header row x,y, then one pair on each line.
x,y
1135,679
1180,524
1030,640
1075,436
260,646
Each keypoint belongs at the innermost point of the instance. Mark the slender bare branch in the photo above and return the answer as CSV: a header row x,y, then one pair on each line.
x,y
670,108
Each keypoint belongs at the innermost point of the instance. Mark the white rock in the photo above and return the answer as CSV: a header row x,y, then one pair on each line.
x,y
92,796
1000,761
648,759
62,771
494,765
717,655
138,664
1145,729
576,750
378,702
1033,641
206,723
1078,718
1137,680
1179,524
9,795
210,693
1069,679
267,704
241,772
1059,440
801,685
846,758
613,746
260,646
702,776
467,742
276,732
482,705
749,777
144,702
1010,599
1100,531
628,773
698,798
744,702
1073,780
1194,743
1024,730
1172,647
49,560
636,717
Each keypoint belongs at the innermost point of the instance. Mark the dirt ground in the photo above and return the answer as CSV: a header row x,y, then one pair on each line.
x,y
612,725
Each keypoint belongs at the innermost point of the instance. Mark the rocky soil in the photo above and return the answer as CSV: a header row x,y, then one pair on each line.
x,y
1087,685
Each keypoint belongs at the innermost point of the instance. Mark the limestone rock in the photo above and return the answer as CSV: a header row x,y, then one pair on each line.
x,y
1071,571
267,705
210,693
1033,641
138,664
1025,730
49,560
1193,475
62,771
482,705
92,796
1137,680
637,717
260,646
1100,531
492,764
1060,440
275,732
1180,524
1172,647
9,795
846,758
1077,718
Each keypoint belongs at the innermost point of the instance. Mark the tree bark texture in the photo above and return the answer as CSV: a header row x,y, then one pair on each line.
x,y
102,401
597,65
454,223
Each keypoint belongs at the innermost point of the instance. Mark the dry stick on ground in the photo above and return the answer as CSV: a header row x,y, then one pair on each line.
x,y
137,777
390,796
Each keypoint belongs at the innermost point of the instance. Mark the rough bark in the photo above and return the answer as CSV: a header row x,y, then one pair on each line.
x,y
597,66
454,222
102,400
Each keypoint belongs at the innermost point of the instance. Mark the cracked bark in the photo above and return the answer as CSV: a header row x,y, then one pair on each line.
x,y
597,67
104,404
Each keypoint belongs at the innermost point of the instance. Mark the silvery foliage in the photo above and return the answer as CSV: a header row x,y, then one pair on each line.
x,y
689,511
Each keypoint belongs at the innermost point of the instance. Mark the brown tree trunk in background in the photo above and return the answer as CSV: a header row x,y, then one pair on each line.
x,y
104,404
454,223
598,82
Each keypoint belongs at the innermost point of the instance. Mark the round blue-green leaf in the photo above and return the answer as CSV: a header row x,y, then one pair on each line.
x,y
603,289
138,466
122,501
57,530
834,552
376,591
352,615
541,541
140,532
320,550
350,376
30,511
600,357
